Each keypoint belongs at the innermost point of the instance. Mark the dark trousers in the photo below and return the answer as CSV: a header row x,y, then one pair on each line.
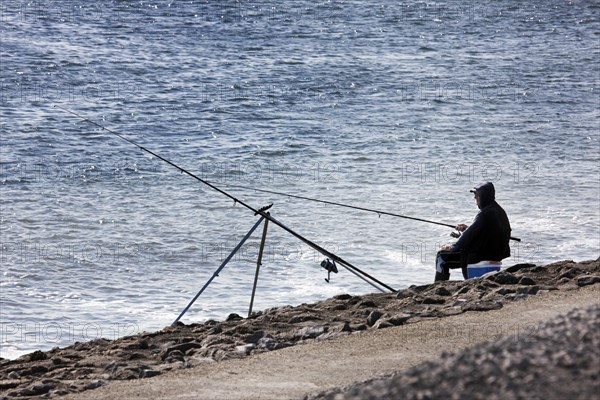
x,y
447,260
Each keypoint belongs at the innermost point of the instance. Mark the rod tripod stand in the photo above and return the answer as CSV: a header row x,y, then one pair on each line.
x,y
228,258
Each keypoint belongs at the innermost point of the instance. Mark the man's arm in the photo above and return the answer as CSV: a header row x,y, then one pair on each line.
x,y
469,235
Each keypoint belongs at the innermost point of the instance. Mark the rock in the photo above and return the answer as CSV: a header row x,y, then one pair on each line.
x,y
173,356
503,291
13,375
183,347
114,365
585,280
138,344
366,304
267,343
94,384
245,349
373,317
433,300
342,297
482,306
463,290
382,323
9,384
526,281
504,278
255,337
399,319
310,332
215,330
212,340
339,307
34,370
149,373
358,327
126,374
405,293
518,267
37,389
570,273
459,302
37,355
344,327
233,317
530,290
302,318
442,291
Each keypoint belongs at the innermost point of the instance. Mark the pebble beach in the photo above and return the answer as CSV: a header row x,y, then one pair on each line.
x,y
558,353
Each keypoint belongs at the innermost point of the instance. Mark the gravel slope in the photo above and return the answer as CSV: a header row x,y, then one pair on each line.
x,y
560,360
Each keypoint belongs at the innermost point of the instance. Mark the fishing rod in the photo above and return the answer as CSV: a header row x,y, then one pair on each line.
x,y
379,212
355,270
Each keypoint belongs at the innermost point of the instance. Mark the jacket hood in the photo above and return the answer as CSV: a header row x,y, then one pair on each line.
x,y
486,193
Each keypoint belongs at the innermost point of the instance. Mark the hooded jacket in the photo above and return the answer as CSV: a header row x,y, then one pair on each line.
x,y
488,236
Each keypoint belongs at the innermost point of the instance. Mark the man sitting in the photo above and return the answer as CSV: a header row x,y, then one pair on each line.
x,y
487,239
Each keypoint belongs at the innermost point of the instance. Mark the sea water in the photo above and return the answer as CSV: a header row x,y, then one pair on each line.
x,y
395,106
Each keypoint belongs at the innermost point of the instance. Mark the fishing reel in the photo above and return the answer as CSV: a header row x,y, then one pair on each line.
x,y
455,234
330,267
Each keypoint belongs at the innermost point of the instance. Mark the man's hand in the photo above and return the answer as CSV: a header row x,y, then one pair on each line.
x,y
461,227
446,247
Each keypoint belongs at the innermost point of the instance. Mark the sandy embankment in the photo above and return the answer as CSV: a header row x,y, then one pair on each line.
x,y
318,346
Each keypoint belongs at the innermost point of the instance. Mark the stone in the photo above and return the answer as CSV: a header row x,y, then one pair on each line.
x,y
433,300
442,291
344,327
94,384
382,323
462,290
172,356
518,267
255,337
9,384
405,293
339,307
503,291
212,340
37,389
587,280
482,306
373,317
267,343
526,281
504,278
302,318
530,290
366,304
245,349
13,375
310,332
183,347
570,273
399,319
459,302
233,317
342,297
149,373
37,355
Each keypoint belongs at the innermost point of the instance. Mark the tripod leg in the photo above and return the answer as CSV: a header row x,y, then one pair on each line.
x,y
258,264
216,273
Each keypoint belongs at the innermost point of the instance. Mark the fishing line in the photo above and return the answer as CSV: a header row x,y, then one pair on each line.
x,y
335,203
356,271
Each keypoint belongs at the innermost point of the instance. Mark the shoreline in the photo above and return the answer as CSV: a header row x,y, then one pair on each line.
x,y
100,363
